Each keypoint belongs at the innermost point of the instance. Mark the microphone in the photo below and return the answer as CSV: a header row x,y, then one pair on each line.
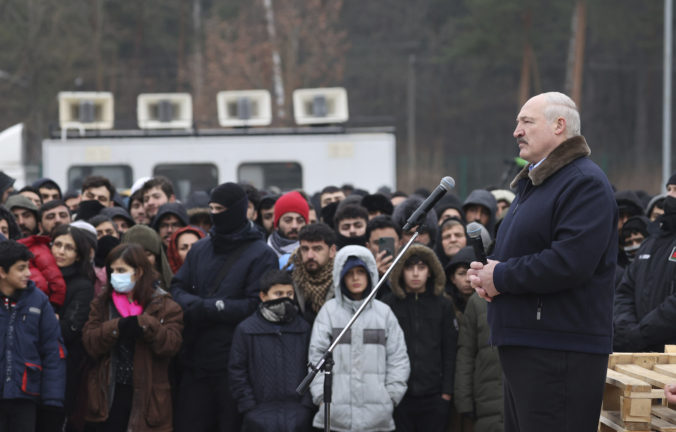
x,y
447,183
474,234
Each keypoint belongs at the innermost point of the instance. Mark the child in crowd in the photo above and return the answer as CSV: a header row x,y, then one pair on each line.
x,y
268,361
426,316
33,360
371,365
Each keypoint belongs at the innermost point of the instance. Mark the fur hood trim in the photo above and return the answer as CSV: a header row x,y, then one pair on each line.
x,y
433,263
565,153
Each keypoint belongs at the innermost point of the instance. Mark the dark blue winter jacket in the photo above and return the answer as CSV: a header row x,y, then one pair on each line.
x,y
267,362
208,330
558,251
33,360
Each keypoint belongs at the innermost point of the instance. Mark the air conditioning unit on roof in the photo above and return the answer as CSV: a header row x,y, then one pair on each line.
x,y
86,110
164,110
238,108
320,105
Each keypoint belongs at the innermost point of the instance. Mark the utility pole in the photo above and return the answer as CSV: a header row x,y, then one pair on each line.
x,y
410,98
576,47
278,82
666,97
198,61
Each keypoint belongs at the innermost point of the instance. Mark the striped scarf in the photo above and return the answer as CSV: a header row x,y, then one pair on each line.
x,y
316,285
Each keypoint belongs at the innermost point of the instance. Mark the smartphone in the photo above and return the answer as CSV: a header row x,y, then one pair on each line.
x,y
386,243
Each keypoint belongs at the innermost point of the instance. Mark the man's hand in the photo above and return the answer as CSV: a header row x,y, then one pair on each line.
x,y
670,393
481,278
383,261
446,396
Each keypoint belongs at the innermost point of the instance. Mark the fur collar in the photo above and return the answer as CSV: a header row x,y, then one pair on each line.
x,y
565,153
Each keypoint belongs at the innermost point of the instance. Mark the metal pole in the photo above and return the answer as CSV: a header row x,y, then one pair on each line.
x,y
666,99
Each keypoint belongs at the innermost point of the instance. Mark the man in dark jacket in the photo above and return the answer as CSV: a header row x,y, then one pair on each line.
x,y
268,361
33,358
170,217
426,316
645,301
550,282
217,287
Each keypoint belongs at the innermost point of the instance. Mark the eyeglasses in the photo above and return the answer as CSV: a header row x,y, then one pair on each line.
x,y
65,246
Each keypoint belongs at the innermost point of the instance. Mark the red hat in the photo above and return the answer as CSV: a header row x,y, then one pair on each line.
x,y
291,202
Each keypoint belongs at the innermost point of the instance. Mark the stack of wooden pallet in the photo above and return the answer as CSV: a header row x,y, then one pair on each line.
x,y
634,394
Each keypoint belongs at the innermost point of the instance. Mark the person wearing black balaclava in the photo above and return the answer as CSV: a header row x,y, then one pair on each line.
x,y
217,287
645,300
350,224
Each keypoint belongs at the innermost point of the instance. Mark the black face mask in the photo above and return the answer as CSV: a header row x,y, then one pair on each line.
x,y
668,219
341,240
232,219
281,310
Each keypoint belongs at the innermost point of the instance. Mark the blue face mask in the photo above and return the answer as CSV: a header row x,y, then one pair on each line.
x,y
122,282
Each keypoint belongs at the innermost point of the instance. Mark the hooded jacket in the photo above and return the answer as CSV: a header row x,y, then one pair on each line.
x,y
645,301
371,365
34,365
484,198
209,330
427,322
478,375
150,241
44,271
557,248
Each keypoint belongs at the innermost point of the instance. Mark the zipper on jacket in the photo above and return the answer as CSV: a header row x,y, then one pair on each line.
x,y
539,311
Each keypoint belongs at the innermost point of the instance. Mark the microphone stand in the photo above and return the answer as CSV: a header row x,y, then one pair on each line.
x,y
325,364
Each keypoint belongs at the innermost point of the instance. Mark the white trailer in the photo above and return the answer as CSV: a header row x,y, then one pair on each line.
x,y
287,158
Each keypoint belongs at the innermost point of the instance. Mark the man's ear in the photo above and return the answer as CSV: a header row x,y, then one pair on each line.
x,y
560,126
172,198
332,251
262,295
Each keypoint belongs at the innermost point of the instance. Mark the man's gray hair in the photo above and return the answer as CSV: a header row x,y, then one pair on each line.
x,y
560,105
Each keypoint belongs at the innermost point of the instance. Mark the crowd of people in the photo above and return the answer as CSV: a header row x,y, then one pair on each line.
x,y
141,312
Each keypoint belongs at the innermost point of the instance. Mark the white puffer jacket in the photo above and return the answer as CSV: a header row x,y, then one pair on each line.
x,y
371,364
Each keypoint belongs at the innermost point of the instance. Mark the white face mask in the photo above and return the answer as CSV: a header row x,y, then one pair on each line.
x,y
122,282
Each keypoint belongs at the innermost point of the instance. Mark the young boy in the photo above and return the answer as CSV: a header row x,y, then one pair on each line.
x,y
268,361
371,364
32,360
426,317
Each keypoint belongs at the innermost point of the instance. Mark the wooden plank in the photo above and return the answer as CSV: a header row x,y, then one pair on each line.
x,y
654,394
666,369
670,349
627,383
661,425
635,410
613,420
649,376
664,413
619,358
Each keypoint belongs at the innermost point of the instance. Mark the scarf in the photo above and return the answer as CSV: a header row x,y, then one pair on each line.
x,y
316,285
124,307
280,244
281,310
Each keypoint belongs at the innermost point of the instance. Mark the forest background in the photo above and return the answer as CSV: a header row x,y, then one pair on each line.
x,y
449,75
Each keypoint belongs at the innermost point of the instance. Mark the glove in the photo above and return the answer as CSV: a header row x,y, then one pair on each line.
x,y
129,327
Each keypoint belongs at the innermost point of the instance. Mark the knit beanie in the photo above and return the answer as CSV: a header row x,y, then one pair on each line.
x,y
21,202
234,199
672,180
291,202
5,182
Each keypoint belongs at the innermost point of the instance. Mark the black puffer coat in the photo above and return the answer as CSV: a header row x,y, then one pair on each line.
x,y
267,362
427,322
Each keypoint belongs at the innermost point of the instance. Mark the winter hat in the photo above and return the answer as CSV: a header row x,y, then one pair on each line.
x,y
464,256
234,199
350,263
635,224
22,202
197,199
42,182
377,203
5,182
103,247
503,195
672,179
291,202
174,208
113,212
149,239
88,229
138,184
